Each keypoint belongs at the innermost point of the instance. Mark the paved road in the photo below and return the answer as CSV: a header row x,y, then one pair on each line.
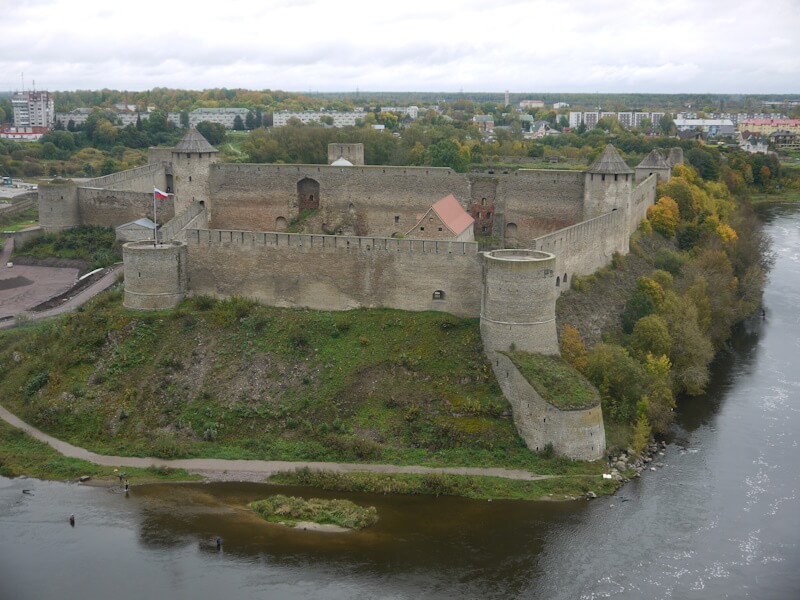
x,y
251,470
98,286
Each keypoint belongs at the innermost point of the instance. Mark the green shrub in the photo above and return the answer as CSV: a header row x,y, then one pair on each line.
x,y
291,510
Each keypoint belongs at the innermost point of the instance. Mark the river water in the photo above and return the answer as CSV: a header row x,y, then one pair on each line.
x,y
721,519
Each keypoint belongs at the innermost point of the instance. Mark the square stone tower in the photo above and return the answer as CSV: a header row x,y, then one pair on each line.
x,y
353,153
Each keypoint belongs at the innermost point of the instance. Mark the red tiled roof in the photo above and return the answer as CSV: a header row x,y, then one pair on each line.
x,y
455,218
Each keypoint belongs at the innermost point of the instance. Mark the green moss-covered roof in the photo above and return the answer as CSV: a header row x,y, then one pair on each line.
x,y
555,381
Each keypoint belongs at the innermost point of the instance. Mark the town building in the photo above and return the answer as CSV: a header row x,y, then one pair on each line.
x,y
33,109
767,126
281,118
530,104
711,127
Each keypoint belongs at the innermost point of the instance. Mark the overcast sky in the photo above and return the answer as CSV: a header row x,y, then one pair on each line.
x,y
669,46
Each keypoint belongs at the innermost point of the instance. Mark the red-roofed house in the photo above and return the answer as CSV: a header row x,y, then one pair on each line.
x,y
445,220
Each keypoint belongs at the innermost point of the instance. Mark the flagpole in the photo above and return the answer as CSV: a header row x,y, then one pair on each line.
x,y
155,221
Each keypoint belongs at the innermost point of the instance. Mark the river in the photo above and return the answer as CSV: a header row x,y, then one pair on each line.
x,y
721,519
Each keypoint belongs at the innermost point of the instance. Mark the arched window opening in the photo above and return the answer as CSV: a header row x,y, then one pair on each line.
x,y
565,279
307,194
483,201
280,224
438,295
558,281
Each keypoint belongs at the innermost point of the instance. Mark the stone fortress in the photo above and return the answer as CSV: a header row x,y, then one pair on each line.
x,y
224,232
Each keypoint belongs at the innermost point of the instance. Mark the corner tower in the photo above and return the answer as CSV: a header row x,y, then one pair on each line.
x,y
518,303
608,185
191,161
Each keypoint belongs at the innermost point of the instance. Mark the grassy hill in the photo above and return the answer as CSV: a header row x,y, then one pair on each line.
x,y
234,379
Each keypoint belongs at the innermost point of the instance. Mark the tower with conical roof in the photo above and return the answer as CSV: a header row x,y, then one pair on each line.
x,y
191,163
608,185
653,163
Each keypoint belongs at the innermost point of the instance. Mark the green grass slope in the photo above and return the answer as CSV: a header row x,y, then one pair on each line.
x,y
234,379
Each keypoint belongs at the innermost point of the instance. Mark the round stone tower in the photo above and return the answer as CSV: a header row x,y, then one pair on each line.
x,y
518,303
155,275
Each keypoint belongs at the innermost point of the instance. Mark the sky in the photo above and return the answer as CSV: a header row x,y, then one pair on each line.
x,y
648,46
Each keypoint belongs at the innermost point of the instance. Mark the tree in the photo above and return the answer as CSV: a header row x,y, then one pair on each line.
x,y
664,216
250,120
645,300
706,164
185,119
650,336
446,153
666,124
260,147
213,132
238,124
572,348
620,379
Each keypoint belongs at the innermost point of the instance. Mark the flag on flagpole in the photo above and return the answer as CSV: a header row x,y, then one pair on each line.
x,y
159,195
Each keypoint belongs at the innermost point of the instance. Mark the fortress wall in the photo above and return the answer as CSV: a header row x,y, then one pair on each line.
x,y
375,200
642,198
588,246
140,179
540,201
110,208
335,272
578,434
178,222
252,197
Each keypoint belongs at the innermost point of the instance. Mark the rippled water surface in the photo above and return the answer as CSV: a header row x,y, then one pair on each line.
x,y
720,520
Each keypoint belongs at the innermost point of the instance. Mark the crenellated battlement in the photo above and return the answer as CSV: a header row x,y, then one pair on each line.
x,y
327,243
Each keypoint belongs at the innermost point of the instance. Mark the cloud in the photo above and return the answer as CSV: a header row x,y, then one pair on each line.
x,y
522,45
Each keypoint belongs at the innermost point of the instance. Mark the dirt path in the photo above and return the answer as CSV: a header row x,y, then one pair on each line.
x,y
218,469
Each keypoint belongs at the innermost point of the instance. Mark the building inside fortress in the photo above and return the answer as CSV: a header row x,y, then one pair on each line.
x,y
361,240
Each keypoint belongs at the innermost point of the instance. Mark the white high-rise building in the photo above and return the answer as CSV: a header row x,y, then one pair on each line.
x,y
33,109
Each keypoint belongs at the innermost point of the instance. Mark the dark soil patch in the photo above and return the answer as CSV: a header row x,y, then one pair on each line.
x,y
14,282
62,263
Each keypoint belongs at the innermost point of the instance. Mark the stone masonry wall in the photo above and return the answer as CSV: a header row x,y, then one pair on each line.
x,y
387,200
140,179
110,208
335,272
588,246
539,202
642,198
58,206
379,200
578,434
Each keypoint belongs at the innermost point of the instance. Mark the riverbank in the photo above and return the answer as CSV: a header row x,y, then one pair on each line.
x,y
48,458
